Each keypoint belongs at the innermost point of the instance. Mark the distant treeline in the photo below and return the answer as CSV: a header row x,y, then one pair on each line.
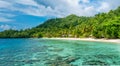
x,y
103,25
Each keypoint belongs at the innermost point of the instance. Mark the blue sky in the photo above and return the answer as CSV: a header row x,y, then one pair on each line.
x,y
22,14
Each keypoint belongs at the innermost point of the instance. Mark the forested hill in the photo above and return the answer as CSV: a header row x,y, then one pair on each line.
x,y
103,25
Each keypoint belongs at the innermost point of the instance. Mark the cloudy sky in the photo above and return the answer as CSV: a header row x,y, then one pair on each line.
x,y
21,14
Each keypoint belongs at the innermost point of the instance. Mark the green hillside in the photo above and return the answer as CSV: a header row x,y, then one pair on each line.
x,y
103,25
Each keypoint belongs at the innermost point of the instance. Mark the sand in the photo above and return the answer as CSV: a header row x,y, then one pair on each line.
x,y
89,39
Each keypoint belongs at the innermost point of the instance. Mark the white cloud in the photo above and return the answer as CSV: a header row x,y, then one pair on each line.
x,y
104,7
89,11
6,17
2,19
85,1
113,4
6,27
107,5
59,8
26,2
4,4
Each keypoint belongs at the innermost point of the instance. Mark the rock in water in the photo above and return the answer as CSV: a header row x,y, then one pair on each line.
x,y
95,62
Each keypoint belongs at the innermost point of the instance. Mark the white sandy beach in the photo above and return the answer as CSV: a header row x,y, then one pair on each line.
x,y
89,39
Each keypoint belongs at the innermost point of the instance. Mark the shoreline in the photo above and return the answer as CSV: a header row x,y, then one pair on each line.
x,y
89,39
117,41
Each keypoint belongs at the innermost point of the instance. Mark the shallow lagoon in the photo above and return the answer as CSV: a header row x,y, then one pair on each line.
x,y
51,52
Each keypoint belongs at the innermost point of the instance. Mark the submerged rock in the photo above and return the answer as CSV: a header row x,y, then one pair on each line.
x,y
55,49
28,61
95,62
61,64
71,59
60,61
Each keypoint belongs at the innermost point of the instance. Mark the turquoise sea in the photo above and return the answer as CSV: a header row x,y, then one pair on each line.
x,y
51,52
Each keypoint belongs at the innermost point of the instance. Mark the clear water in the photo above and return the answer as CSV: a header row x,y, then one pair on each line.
x,y
48,52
